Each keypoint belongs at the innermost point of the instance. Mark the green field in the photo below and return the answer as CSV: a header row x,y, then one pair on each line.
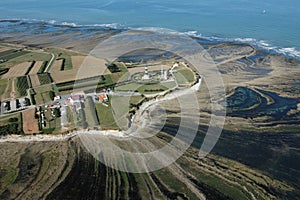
x,y
43,94
52,123
12,54
11,124
97,82
146,89
45,78
43,67
21,85
136,100
184,76
90,113
3,84
70,117
25,56
67,63
106,118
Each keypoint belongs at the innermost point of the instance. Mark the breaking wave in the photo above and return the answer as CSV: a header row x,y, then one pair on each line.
x,y
260,44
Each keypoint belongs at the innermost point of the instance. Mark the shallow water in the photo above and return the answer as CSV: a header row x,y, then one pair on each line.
x,y
269,23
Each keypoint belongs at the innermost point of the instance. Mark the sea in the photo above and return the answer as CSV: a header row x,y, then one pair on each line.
x,y
270,24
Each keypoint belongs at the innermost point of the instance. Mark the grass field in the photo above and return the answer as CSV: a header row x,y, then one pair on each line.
x,y
87,83
12,54
3,85
90,113
8,89
52,123
43,67
42,94
5,120
21,85
135,100
25,56
45,78
146,89
70,117
106,118
184,76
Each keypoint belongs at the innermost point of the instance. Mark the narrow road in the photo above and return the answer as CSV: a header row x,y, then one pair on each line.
x,y
50,62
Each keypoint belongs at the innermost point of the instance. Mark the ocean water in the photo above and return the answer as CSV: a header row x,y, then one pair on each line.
x,y
271,24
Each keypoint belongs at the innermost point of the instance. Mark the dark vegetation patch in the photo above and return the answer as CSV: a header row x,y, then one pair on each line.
x,y
22,85
3,71
43,67
30,67
45,78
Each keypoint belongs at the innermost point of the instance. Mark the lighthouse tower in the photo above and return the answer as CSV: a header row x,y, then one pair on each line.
x,y
146,74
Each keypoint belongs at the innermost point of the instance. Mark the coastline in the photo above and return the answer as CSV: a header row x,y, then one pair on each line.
x,y
264,45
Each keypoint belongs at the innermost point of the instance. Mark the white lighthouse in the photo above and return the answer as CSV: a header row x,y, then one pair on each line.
x,y
146,74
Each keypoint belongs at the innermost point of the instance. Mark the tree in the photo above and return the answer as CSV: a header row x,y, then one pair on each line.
x,y
14,119
56,112
52,95
27,102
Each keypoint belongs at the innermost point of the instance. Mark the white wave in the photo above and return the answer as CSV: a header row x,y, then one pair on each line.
x,y
51,21
192,33
69,24
112,25
288,51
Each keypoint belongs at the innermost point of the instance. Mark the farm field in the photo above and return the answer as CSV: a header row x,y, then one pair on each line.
x,y
34,79
143,88
4,49
184,76
44,78
17,70
30,125
12,54
90,113
36,67
7,89
3,86
106,118
21,86
92,67
11,124
43,94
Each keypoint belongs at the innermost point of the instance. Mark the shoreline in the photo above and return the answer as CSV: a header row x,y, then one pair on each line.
x,y
290,52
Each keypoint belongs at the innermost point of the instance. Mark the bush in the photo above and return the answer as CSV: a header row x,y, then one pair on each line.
x,y
56,112
52,95
3,71
9,129
14,119
27,102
